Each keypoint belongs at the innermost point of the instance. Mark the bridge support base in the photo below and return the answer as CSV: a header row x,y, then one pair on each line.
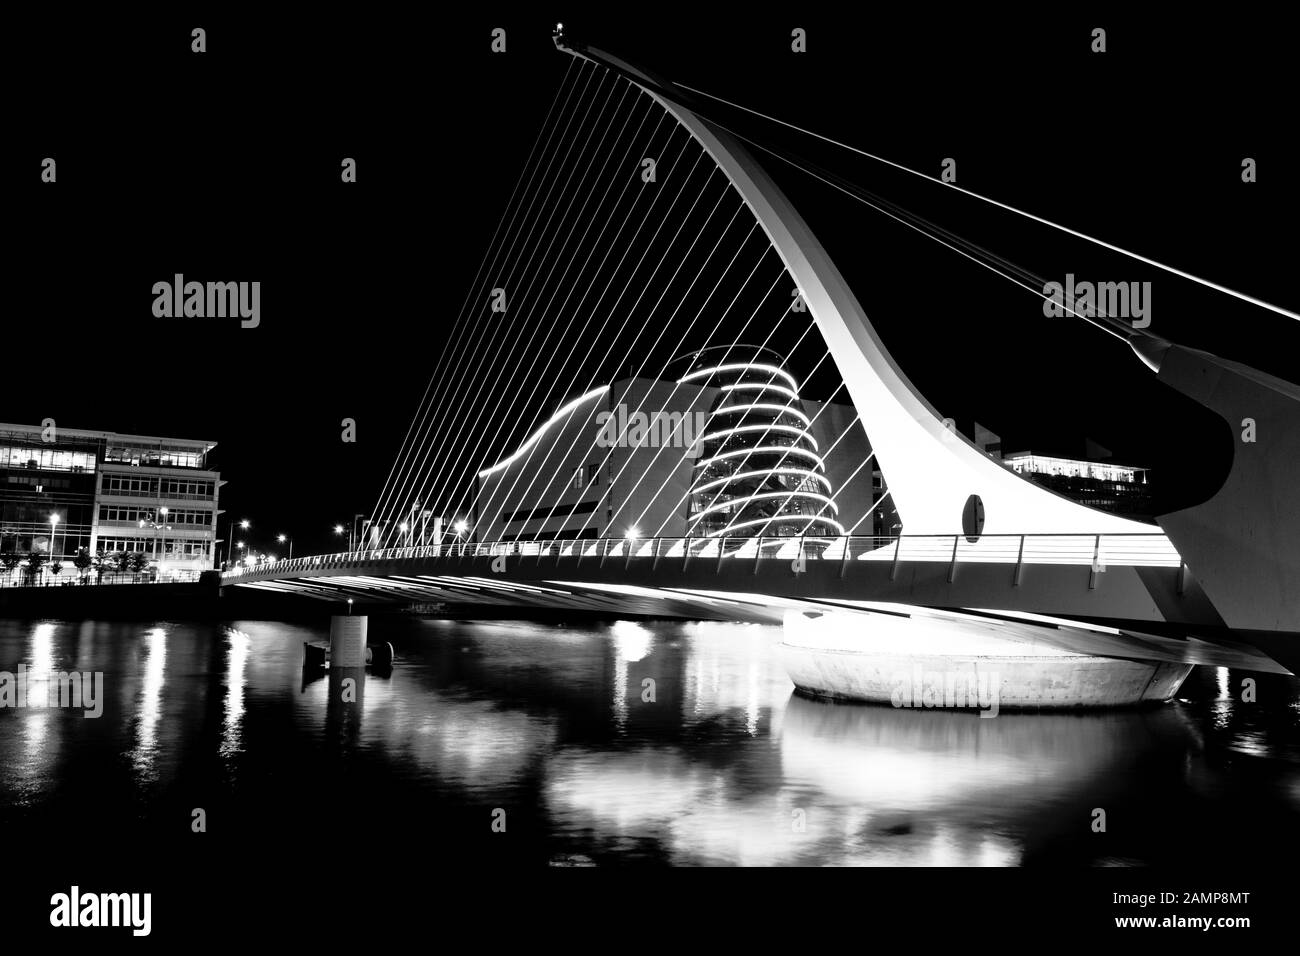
x,y
348,640
961,664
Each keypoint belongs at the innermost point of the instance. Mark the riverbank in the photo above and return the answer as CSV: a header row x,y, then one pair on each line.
x,y
197,600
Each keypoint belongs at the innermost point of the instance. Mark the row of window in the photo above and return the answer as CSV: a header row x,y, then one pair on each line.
x,y
150,487
172,547
174,516
175,488
45,459
41,483
152,457
118,485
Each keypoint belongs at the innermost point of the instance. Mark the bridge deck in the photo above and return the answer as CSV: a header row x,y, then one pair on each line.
x,y
1136,578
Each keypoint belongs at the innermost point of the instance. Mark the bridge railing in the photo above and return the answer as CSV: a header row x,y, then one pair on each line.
x,y
1097,550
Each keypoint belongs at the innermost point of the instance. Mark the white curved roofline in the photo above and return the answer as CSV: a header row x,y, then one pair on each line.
x,y
536,436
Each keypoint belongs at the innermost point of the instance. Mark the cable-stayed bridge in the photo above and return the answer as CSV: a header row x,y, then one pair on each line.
x,y
647,271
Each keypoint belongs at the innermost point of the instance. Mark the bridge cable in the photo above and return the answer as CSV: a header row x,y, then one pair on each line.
x,y
559,378
667,440
613,483
744,461
664,326
956,245
825,454
541,469
451,483
486,345
699,313
613,307
749,364
426,403
830,448
467,395
596,438
381,510
1009,208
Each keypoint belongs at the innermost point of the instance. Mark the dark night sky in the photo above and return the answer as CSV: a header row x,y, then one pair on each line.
x,y
225,166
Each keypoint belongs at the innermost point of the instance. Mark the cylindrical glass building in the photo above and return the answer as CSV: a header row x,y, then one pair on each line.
x,y
759,473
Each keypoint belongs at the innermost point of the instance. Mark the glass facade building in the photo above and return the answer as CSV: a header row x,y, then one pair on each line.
x,y
1124,490
760,472
63,490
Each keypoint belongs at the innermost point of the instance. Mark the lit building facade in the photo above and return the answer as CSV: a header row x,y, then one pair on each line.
x,y
1027,463
64,489
727,447
760,472
1119,489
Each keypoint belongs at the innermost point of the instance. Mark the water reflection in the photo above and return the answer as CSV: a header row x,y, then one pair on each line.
x,y
236,660
150,704
722,764
632,643
40,665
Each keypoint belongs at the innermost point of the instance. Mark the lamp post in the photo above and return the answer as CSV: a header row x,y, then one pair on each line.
x,y
244,525
351,532
156,528
282,539
54,525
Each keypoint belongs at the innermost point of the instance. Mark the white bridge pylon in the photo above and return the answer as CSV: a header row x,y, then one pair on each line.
x,y
932,470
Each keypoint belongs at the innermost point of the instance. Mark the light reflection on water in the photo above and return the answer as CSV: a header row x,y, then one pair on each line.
x,y
632,742
150,703
237,659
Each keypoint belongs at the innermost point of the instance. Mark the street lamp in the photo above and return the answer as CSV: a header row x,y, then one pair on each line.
x,y
159,527
352,532
282,539
244,525
54,525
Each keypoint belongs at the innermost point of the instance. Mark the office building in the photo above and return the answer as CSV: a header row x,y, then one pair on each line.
x,y
64,489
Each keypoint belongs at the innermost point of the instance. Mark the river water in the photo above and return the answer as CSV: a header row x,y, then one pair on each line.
x,y
617,743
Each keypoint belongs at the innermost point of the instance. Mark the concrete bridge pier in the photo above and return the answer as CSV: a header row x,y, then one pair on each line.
x,y
942,660
348,634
